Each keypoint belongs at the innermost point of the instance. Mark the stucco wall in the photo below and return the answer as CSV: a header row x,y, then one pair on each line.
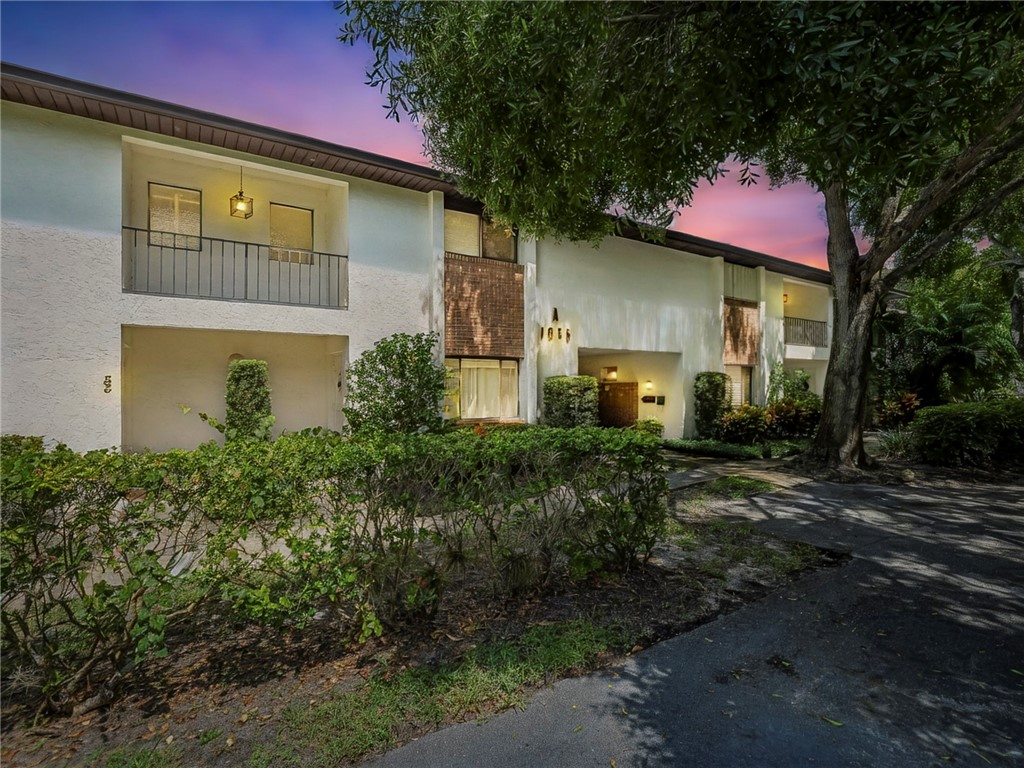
x,y
62,305
167,368
633,297
662,369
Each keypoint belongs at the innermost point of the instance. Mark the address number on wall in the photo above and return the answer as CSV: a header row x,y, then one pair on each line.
x,y
108,384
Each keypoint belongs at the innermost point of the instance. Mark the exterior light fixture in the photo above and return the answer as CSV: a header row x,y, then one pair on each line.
x,y
785,298
649,385
241,206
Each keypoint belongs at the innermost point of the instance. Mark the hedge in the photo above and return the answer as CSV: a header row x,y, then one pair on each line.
x,y
971,434
570,401
103,553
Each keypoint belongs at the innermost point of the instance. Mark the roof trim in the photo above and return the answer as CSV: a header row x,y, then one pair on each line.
x,y
74,97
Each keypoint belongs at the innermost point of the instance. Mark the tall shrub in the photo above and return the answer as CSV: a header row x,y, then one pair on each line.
x,y
570,401
396,386
711,403
248,401
971,434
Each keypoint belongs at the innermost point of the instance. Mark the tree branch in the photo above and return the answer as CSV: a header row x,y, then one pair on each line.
x,y
961,171
943,238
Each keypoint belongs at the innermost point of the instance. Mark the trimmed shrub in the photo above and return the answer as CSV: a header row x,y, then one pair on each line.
x,y
711,403
971,434
570,401
248,414
398,386
652,427
747,425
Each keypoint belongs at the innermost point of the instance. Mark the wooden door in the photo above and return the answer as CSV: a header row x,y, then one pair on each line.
x,y
617,404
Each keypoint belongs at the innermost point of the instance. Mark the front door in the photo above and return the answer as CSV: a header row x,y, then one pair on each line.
x,y
617,404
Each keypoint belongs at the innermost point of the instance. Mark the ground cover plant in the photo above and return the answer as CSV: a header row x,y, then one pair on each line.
x,y
447,618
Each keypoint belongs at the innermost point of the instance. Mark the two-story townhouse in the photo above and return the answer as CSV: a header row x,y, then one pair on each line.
x,y
145,245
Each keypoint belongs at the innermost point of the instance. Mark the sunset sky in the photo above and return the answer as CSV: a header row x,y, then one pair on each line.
x,y
280,64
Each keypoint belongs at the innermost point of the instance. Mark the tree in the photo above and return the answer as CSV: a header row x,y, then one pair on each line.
x,y
555,114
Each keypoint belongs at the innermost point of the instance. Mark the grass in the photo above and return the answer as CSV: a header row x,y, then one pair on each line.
x,y
209,735
398,703
737,487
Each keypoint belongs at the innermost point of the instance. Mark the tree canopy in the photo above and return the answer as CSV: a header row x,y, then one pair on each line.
x,y
906,116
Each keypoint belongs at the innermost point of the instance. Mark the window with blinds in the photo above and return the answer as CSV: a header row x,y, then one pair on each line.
x,y
175,216
482,389
468,234
739,389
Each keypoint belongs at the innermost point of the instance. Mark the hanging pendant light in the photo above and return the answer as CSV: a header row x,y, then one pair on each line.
x,y
241,206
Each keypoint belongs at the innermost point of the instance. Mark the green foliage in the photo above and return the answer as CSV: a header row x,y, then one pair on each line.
x,y
354,723
249,414
652,427
790,386
898,412
737,486
570,401
950,336
897,443
396,386
971,434
747,425
714,448
795,419
103,554
711,403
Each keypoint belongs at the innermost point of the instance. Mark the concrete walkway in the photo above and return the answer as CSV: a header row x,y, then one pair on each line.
x,y
910,655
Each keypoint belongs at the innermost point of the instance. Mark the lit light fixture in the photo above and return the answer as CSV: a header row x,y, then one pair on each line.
x,y
649,385
785,298
241,206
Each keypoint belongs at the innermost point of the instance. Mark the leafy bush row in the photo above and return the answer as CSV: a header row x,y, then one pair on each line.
x,y
103,554
971,434
570,401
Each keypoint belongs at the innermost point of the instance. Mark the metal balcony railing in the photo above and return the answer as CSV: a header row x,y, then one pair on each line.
x,y
171,264
810,333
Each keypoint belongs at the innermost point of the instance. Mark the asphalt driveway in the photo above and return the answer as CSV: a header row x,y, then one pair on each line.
x,y
912,654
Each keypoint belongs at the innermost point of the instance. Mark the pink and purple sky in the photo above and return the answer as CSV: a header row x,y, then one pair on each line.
x,y
280,64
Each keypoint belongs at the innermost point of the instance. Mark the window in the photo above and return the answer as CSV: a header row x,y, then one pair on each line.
x,y
468,234
482,389
291,234
175,217
739,384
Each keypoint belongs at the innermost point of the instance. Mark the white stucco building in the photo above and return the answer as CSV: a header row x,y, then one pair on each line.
x,y
128,282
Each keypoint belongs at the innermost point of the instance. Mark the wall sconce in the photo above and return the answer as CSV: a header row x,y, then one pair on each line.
x,y
241,206
649,385
611,373
785,298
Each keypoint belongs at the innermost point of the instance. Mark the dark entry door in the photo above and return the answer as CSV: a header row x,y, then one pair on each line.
x,y
617,404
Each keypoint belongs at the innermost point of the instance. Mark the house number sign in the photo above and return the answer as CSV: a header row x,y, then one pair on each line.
x,y
108,384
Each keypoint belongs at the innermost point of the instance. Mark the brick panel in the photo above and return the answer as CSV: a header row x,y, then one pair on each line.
x,y
483,307
742,325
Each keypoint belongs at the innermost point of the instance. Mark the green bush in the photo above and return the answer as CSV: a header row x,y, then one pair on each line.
x,y
794,419
396,386
570,401
652,427
747,425
711,403
102,554
971,434
898,412
248,414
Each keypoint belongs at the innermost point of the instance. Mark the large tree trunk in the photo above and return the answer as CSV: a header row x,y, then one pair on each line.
x,y
838,443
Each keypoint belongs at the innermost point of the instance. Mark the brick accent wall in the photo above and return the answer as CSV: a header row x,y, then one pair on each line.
x,y
483,307
742,326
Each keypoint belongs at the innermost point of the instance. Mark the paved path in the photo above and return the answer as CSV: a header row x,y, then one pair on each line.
x,y
916,646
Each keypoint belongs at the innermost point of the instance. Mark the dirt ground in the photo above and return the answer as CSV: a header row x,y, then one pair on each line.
x,y
221,691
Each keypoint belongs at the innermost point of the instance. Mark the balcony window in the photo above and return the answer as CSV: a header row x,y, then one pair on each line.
x,y
291,234
175,216
468,234
482,389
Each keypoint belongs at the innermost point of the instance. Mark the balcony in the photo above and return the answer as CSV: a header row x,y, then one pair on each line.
x,y
169,264
806,333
